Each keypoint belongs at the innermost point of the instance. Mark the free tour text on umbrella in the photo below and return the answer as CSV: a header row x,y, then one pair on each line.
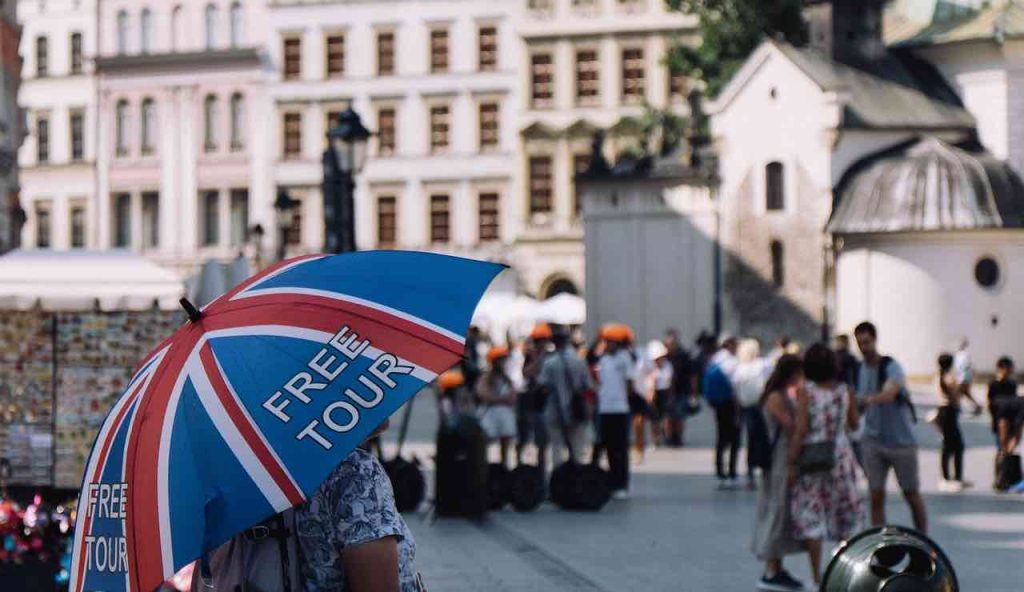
x,y
331,362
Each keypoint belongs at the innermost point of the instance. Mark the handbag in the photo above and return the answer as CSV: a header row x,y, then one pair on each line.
x,y
817,457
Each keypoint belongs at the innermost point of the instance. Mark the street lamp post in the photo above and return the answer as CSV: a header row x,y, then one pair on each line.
x,y
284,206
344,157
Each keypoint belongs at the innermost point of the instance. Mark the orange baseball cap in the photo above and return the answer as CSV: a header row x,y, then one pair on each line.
x,y
496,353
451,379
540,331
618,332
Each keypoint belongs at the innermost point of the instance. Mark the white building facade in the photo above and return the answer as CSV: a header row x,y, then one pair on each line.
x,y
435,81
58,94
585,65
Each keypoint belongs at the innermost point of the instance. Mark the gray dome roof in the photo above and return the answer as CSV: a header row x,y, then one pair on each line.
x,y
928,185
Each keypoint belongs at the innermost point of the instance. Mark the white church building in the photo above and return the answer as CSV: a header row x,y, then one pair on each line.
x,y
871,178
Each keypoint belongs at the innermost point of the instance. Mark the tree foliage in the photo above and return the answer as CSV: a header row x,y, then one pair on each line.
x,y
730,31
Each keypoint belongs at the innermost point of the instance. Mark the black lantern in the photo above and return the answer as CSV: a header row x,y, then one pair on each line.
x,y
284,207
344,158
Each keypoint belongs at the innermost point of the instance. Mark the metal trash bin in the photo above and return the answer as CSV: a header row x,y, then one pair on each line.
x,y
889,559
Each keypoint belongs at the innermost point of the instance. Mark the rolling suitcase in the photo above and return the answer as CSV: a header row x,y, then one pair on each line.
x,y
461,468
1008,471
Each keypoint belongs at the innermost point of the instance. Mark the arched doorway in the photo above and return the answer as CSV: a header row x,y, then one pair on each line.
x,y
558,285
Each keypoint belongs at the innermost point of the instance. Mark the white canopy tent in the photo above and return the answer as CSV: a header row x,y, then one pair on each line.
x,y
563,309
86,280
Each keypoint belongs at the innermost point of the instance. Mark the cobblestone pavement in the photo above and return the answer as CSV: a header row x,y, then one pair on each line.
x,y
678,533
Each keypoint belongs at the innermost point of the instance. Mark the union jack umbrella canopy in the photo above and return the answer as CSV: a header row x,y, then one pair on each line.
x,y
247,408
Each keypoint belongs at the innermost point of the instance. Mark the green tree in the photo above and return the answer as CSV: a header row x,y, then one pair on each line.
x,y
730,31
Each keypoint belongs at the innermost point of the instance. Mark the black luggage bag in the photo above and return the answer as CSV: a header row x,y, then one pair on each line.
x,y
526,488
1008,471
461,468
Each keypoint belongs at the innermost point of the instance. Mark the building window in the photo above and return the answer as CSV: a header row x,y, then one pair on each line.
x,y
148,126
122,220
42,139
175,28
586,6
210,208
387,221
774,187
76,53
335,56
541,8
987,273
386,131
633,75
488,42
385,53
239,217
76,125
150,220
292,135
122,32
77,224
211,26
490,126
588,77
541,184
489,216
292,58
439,126
542,85
440,219
145,30
439,50
676,86
210,123
237,24
580,164
778,264
237,122
42,57
121,128
43,226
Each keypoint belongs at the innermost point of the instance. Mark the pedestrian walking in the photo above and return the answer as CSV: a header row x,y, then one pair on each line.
x,y
684,387
888,441
564,378
773,533
351,535
948,421
963,367
824,499
498,399
654,382
748,382
615,377
718,391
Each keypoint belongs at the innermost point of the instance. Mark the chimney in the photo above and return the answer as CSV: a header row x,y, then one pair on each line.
x,y
848,31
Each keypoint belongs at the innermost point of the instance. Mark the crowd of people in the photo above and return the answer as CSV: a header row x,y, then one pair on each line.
x,y
814,422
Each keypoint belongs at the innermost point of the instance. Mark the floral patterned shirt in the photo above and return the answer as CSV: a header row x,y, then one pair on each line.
x,y
355,505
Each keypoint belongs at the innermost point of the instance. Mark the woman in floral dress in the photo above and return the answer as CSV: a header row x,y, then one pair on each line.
x,y
824,505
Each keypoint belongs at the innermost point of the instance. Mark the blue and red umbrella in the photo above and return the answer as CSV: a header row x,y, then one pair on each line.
x,y
246,409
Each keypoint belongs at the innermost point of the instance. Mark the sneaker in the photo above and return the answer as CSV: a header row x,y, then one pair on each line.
x,y
950,486
780,582
620,494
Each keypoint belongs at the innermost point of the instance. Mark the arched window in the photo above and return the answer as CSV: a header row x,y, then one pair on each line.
x,y
176,28
237,121
774,187
237,24
148,126
211,26
122,32
121,128
778,263
210,123
146,30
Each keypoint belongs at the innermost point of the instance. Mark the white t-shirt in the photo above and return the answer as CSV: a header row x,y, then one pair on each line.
x,y
614,370
663,375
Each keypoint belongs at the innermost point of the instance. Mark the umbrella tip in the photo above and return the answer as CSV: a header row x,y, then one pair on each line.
x,y
193,313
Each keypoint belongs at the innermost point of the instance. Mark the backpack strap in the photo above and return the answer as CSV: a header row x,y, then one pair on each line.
x,y
902,398
282,535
